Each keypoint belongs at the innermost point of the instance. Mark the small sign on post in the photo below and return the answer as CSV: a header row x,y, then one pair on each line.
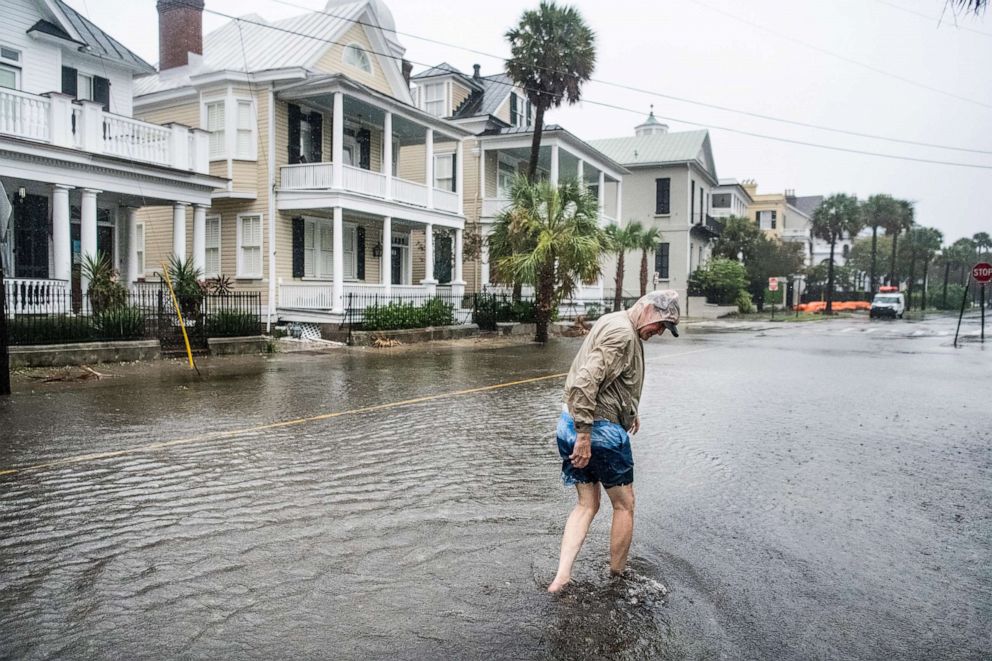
x,y
772,284
982,273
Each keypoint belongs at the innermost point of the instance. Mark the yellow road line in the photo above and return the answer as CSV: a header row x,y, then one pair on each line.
x,y
215,436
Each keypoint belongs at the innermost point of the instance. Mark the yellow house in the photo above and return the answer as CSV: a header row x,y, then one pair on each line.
x,y
336,177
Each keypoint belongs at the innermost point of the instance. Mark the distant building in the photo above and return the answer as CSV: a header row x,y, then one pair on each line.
x,y
730,198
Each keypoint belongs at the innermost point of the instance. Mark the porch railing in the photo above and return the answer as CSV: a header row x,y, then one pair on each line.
x,y
34,296
409,192
141,141
320,295
306,176
492,207
364,181
24,115
445,200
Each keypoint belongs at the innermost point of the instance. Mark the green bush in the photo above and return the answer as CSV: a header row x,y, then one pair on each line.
x,y
744,304
121,323
49,330
955,293
231,323
490,310
720,281
397,316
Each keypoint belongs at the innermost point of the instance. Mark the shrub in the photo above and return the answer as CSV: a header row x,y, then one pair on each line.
x,y
397,316
719,281
120,323
60,329
105,289
231,323
491,309
744,304
955,292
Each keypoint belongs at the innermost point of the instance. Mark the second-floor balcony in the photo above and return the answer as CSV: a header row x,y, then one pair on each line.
x,y
56,119
707,224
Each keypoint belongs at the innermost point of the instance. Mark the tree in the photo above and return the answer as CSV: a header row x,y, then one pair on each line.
x,y
982,242
552,53
620,240
738,239
900,222
836,216
921,242
647,242
878,211
559,226
970,6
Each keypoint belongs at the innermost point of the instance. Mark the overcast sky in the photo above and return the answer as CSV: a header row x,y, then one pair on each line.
x,y
893,73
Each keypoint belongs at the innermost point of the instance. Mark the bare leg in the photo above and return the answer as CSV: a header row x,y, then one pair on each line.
x,y
622,529
576,529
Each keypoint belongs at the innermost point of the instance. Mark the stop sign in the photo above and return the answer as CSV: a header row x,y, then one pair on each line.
x,y
982,272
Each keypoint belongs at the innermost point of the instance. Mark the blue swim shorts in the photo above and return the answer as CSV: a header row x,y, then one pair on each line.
x,y
612,462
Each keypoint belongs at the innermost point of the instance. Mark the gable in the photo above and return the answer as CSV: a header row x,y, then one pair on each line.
x,y
332,61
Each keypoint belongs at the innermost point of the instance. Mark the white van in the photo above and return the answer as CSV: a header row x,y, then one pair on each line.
x,y
887,304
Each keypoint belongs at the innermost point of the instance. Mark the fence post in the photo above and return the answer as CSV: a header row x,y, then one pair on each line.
x,y
349,318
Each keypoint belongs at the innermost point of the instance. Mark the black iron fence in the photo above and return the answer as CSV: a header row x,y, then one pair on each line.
x,y
49,315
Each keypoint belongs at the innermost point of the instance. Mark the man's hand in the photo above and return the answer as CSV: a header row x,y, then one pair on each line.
x,y
636,427
582,450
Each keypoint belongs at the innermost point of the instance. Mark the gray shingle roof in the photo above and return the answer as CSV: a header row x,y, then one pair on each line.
x,y
443,69
99,42
806,204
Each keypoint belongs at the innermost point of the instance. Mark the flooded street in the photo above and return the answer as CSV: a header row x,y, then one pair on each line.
x,y
805,491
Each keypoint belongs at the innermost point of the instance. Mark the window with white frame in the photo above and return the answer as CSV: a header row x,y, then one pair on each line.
x,y
432,99
211,263
250,246
358,57
10,68
318,249
84,86
215,124
139,244
326,251
246,131
504,179
444,172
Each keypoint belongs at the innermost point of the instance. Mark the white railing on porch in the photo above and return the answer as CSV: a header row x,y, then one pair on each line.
x,y
24,115
364,181
36,296
492,207
57,119
445,200
409,192
320,295
306,176
307,296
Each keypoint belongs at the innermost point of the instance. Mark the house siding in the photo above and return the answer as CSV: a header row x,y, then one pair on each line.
x,y
458,95
332,61
183,113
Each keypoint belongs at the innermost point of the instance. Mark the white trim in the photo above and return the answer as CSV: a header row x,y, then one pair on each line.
x,y
241,273
139,268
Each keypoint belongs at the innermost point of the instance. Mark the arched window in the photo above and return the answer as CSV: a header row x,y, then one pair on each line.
x,y
358,57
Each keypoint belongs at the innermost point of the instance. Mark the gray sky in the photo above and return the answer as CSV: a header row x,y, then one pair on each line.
x,y
751,61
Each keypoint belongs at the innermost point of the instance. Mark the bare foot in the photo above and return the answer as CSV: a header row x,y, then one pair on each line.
x,y
557,585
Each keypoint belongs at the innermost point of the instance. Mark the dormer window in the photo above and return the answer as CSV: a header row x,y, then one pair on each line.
x,y
358,57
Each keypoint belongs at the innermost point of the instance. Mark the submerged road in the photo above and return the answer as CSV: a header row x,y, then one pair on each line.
x,y
805,491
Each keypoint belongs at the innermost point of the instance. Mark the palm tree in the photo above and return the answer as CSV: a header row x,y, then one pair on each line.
x,y
974,6
552,52
930,244
982,242
647,242
836,216
920,242
878,211
508,238
620,240
902,221
559,224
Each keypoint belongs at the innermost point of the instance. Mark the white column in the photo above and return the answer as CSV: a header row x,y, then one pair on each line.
x,y
338,245
429,280
457,174
60,119
386,267
602,194
387,153
484,257
458,283
61,232
429,167
554,164
482,174
619,200
200,236
580,173
132,245
337,147
87,229
179,230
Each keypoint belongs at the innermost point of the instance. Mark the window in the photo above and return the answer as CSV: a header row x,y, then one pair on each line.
x,y
444,172
139,243
661,261
250,246
504,179
305,135
215,124
433,99
318,249
326,250
846,251
246,132
663,196
766,219
10,70
514,113
356,56
721,200
211,264
84,86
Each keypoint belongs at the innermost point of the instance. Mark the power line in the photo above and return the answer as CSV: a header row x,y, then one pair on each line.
x,y
839,56
631,110
662,94
937,19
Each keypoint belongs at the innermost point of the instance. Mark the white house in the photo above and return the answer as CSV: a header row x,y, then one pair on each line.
x,y
730,198
76,164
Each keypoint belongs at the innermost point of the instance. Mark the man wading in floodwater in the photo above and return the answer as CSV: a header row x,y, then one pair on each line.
x,y
602,393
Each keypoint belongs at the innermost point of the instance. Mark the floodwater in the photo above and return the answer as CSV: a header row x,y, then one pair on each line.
x,y
805,491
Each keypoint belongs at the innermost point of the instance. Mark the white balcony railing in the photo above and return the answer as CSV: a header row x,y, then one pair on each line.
x,y
306,176
492,207
37,296
445,200
320,295
410,192
56,119
364,181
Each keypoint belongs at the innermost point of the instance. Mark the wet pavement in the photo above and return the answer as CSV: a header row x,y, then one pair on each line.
x,y
819,490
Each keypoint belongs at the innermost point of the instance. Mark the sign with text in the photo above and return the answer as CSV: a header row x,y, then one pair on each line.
x,y
772,284
982,272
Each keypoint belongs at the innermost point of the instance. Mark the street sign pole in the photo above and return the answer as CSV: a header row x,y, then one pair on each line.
x,y
982,273
964,301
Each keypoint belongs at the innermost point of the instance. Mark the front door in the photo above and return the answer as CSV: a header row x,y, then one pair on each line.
x,y
31,237
396,268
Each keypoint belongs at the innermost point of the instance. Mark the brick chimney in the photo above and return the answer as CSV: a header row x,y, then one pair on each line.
x,y
180,32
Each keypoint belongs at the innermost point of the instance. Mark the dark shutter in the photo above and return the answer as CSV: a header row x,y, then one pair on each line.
x,y
692,201
69,81
360,253
661,260
454,172
364,140
663,195
316,137
298,243
513,109
294,134
101,92
757,217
